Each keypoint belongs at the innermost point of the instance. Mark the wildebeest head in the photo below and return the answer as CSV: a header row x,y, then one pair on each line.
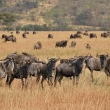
x,y
102,59
51,63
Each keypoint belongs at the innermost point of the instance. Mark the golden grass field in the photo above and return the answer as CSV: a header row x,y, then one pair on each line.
x,y
85,96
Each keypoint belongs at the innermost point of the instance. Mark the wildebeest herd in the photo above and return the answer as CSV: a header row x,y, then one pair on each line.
x,y
23,66
62,43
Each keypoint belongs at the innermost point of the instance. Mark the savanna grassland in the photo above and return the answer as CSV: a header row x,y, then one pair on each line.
x,y
85,96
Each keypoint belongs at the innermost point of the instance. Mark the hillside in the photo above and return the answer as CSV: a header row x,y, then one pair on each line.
x,y
59,14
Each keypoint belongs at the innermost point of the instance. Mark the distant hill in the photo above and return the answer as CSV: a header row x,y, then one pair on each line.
x,y
59,14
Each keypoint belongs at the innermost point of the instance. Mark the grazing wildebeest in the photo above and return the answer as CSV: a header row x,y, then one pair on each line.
x,y
88,46
93,35
79,32
62,43
10,38
26,32
69,70
73,44
50,36
104,35
85,33
43,69
3,36
75,36
24,35
34,32
17,32
38,45
96,64
20,67
11,32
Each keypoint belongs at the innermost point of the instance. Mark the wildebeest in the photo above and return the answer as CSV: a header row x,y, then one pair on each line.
x,y
43,69
2,71
104,35
85,33
96,64
93,35
50,36
6,67
79,32
34,32
62,43
38,45
24,35
17,32
11,32
73,44
75,36
4,35
88,46
20,66
69,69
9,38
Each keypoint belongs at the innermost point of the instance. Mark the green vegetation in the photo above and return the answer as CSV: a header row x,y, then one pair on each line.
x,y
59,14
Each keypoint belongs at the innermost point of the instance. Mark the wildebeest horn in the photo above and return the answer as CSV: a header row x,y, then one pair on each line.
x,y
58,58
106,54
76,55
3,66
97,55
3,61
89,54
48,58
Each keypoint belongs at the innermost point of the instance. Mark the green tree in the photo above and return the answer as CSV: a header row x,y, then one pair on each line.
x,y
7,19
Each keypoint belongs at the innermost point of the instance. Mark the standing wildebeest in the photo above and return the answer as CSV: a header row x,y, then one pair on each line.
x,y
24,35
96,64
50,36
69,69
38,45
73,44
2,71
43,69
6,67
93,35
20,66
10,38
88,46
62,43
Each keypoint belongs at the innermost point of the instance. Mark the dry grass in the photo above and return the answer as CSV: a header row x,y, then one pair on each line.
x,y
86,96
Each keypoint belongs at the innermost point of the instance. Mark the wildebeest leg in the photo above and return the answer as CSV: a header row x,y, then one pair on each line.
x,y
73,80
61,77
107,73
37,78
77,80
22,82
92,76
11,79
43,78
50,81
8,79
55,80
